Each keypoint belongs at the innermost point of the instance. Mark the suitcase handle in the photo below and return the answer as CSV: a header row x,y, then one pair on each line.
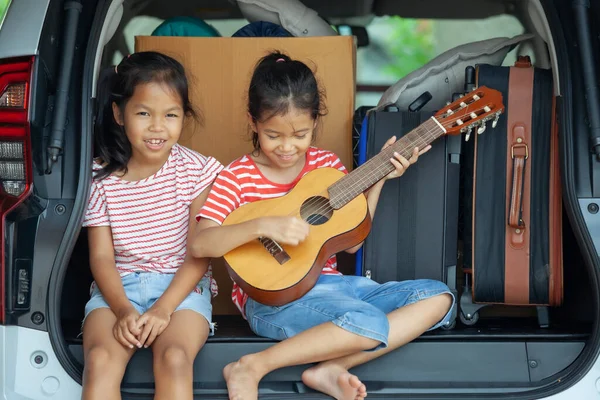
x,y
519,153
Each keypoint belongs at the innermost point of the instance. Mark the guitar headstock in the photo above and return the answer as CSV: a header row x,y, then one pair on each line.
x,y
471,111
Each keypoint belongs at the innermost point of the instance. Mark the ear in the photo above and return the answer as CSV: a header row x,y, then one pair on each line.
x,y
252,123
117,114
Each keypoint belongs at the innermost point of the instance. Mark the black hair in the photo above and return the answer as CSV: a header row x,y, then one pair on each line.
x,y
117,86
280,83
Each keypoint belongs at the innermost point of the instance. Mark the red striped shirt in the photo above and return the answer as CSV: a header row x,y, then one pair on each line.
x,y
242,182
149,218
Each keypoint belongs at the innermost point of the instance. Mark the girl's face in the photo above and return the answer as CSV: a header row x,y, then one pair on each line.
x,y
285,139
153,120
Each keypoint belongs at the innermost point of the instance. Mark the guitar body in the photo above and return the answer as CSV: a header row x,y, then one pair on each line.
x,y
259,273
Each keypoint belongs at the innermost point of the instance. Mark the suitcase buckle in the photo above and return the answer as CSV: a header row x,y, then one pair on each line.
x,y
519,146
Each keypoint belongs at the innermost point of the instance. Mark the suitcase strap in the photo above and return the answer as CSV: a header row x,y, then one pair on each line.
x,y
520,101
518,182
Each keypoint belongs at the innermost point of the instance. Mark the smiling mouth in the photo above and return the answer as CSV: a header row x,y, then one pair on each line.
x,y
155,141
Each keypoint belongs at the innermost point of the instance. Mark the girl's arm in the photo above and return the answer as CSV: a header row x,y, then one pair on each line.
x,y
214,240
374,192
157,318
372,200
104,269
106,276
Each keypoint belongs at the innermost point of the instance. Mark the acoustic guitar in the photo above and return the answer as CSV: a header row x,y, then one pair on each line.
x,y
335,206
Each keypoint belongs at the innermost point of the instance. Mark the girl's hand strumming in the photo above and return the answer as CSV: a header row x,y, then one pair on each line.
x,y
284,230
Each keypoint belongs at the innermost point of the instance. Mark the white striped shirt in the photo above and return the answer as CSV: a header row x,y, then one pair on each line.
x,y
149,218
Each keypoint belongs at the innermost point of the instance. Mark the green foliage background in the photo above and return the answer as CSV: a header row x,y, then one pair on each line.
x,y
3,7
410,42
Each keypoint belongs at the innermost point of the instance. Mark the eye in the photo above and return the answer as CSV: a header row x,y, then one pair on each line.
x,y
143,113
272,137
301,136
171,115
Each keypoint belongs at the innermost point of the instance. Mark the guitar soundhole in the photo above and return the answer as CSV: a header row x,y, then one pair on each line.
x,y
316,210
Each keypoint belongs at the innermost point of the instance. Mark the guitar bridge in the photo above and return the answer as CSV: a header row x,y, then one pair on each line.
x,y
275,250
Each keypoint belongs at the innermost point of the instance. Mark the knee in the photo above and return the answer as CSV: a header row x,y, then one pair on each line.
x,y
98,361
437,293
173,360
446,302
431,285
441,304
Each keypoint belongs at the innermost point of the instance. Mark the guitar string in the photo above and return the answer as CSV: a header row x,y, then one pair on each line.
x,y
446,123
368,175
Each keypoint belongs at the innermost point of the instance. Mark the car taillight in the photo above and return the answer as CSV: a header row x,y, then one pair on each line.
x,y
15,147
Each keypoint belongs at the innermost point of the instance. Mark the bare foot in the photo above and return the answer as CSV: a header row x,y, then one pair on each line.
x,y
242,380
335,381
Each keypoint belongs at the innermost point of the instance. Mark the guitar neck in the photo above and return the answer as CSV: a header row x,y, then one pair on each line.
x,y
375,169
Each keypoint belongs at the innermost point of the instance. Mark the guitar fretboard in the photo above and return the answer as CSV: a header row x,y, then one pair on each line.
x,y
365,176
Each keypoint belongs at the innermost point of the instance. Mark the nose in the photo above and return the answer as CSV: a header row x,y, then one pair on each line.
x,y
286,145
156,124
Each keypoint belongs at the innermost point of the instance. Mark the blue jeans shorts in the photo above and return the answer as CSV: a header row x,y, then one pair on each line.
x,y
354,303
144,288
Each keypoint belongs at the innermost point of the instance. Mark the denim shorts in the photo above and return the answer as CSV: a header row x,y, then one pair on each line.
x,y
144,288
354,303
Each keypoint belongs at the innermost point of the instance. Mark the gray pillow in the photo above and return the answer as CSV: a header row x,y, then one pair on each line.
x,y
445,75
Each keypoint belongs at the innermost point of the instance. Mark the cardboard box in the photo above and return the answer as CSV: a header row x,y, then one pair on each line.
x,y
219,71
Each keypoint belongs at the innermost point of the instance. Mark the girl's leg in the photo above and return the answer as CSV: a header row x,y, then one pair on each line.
x,y
406,324
105,358
428,303
323,325
176,348
174,352
323,342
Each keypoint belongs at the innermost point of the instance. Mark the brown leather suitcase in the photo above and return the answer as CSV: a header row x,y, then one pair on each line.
x,y
513,246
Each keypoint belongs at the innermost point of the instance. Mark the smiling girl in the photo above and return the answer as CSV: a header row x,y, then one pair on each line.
x,y
147,291
343,321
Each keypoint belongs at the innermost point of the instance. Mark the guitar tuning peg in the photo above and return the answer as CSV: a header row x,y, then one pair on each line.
x,y
447,103
495,121
468,134
481,128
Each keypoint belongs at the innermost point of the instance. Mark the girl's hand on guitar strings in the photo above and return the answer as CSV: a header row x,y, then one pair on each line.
x,y
401,163
284,230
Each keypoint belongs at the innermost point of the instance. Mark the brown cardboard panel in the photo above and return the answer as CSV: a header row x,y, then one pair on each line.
x,y
219,70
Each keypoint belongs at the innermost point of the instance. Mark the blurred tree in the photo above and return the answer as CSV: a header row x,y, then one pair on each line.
x,y
410,43
3,7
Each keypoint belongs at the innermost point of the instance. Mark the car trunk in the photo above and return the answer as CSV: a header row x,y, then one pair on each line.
x,y
506,348
505,351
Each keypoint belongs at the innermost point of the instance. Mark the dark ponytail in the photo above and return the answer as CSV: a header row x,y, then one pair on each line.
x,y
117,85
279,84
